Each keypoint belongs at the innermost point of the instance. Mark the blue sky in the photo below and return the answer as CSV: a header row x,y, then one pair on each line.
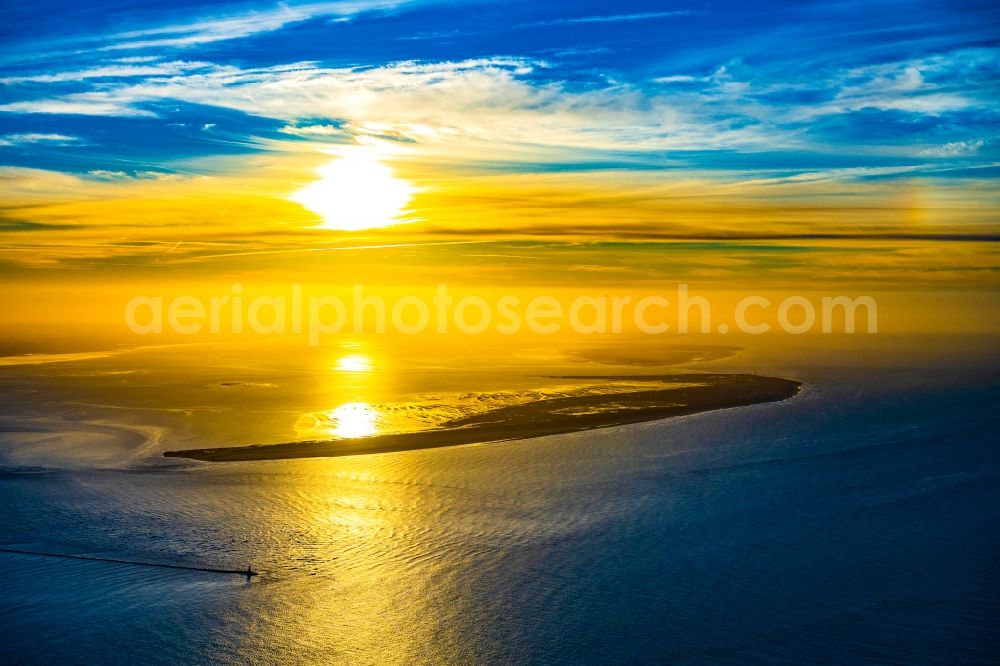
x,y
845,90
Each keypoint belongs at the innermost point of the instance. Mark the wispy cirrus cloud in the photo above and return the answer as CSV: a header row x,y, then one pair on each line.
x,y
82,104
239,25
502,101
955,148
110,71
515,102
193,29
564,21
37,138
613,18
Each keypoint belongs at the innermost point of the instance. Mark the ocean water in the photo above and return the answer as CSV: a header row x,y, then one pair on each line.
x,y
857,523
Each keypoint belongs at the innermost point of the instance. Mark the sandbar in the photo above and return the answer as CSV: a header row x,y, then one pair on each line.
x,y
667,396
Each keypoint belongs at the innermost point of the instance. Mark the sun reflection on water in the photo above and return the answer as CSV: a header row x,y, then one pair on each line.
x,y
354,419
353,363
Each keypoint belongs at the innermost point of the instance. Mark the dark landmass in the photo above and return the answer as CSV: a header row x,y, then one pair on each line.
x,y
701,393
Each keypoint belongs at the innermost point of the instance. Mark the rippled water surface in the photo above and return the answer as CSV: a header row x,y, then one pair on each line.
x,y
855,523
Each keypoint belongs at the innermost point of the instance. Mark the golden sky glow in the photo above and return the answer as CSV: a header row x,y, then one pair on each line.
x,y
601,228
557,168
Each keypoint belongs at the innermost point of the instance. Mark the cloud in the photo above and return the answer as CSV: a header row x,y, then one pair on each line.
x,y
514,107
931,85
955,148
126,176
83,104
522,109
677,78
31,138
110,71
237,26
577,20
206,29
732,130
137,59
23,183
502,101
614,18
314,130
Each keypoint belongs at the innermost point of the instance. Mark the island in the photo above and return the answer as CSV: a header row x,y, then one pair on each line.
x,y
667,396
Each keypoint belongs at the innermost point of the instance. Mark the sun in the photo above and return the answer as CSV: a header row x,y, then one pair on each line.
x,y
356,192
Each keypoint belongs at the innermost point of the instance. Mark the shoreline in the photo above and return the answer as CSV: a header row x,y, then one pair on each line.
x,y
555,416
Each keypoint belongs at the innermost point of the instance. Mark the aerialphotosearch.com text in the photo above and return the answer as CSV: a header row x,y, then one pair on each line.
x,y
317,316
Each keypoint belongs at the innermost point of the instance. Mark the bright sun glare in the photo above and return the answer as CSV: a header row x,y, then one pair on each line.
x,y
354,419
353,363
356,192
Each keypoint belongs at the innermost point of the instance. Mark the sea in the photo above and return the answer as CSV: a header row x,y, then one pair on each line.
x,y
856,523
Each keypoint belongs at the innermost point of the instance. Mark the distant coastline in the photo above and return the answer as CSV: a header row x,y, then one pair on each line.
x,y
684,394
